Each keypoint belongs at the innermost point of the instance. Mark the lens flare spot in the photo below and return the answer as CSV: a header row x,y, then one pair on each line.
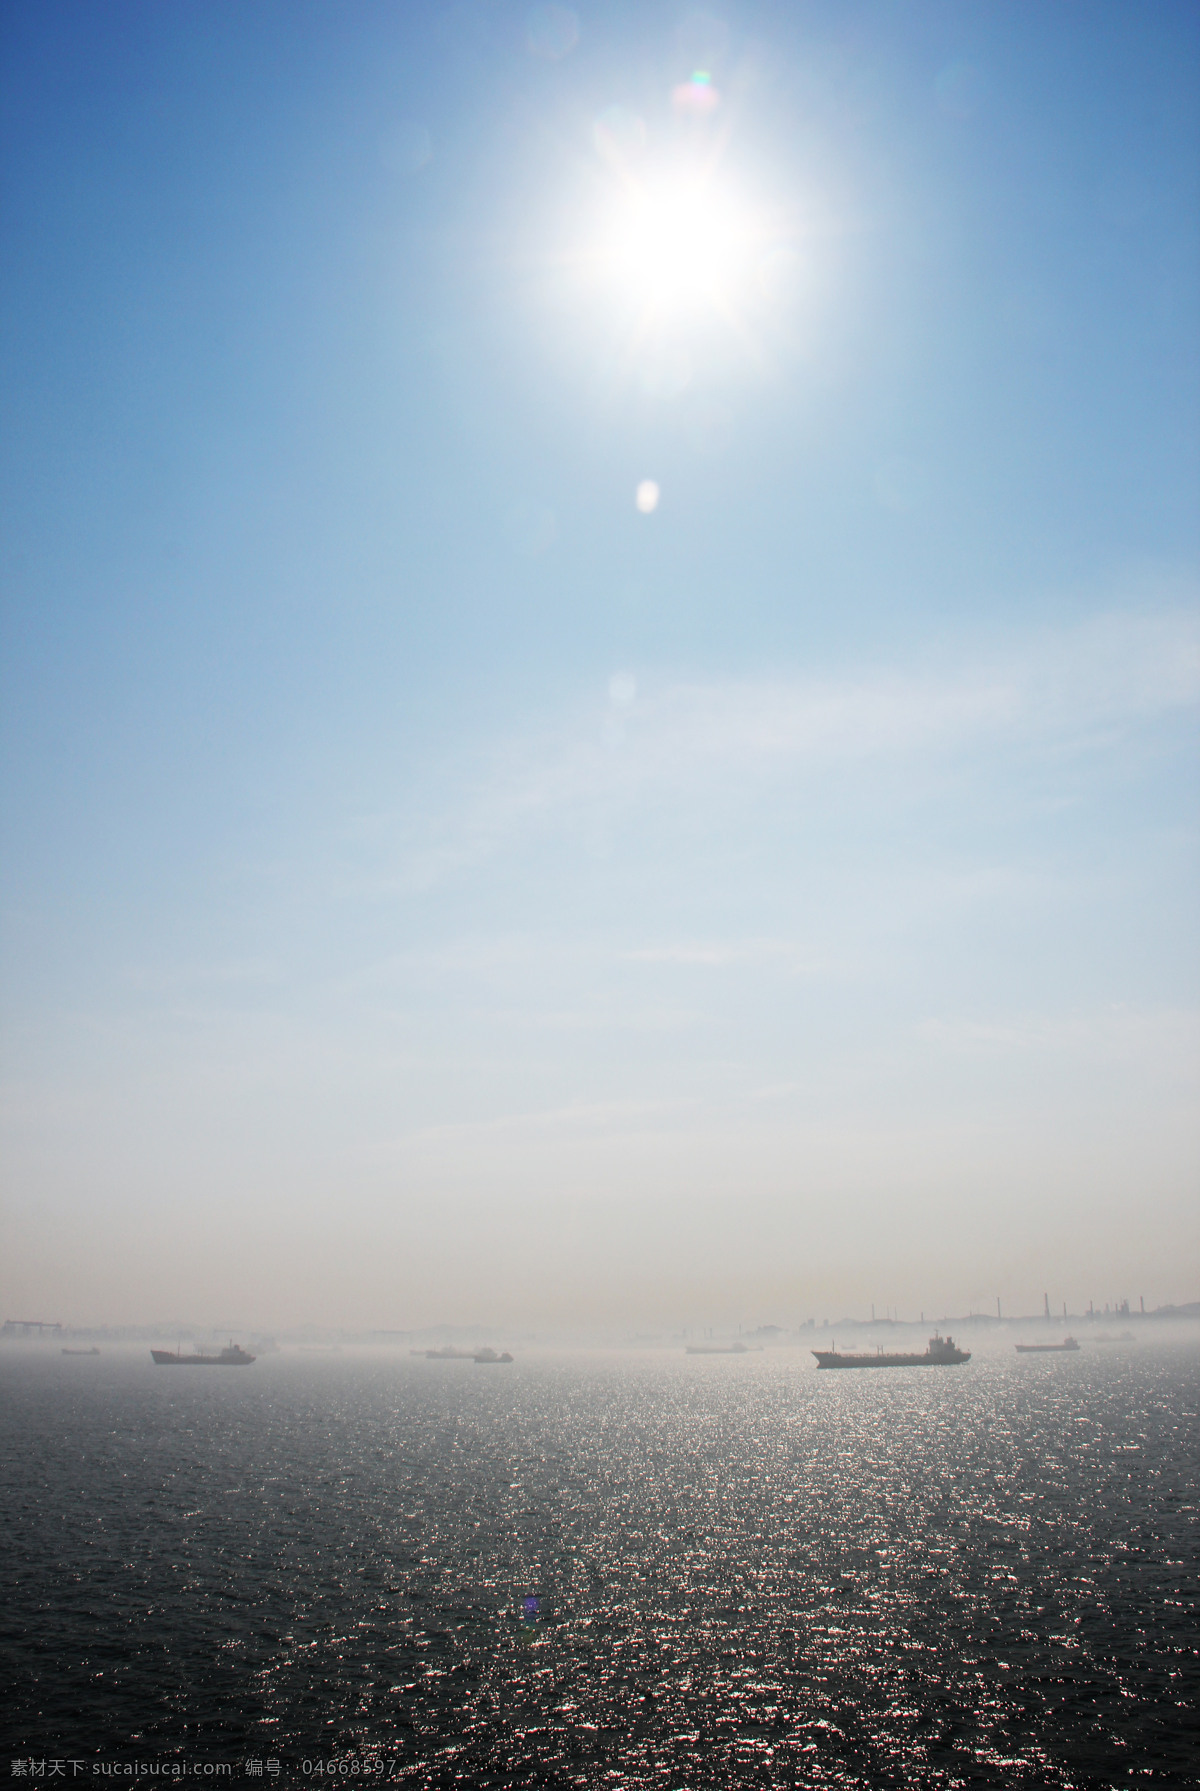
x,y
697,97
666,370
406,148
531,529
619,135
551,32
959,90
779,273
701,39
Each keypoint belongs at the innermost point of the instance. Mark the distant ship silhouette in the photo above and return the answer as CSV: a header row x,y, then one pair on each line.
x,y
942,1352
232,1357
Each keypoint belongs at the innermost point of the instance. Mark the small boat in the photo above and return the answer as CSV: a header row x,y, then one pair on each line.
x,y
1046,1349
489,1355
233,1357
81,1352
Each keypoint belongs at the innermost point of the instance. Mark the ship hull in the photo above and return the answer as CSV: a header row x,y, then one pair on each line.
x,y
167,1358
826,1359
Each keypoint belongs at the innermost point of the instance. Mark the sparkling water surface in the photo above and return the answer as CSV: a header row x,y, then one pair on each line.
x,y
608,1569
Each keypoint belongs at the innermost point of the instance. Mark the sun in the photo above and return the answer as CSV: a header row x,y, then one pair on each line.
x,y
680,243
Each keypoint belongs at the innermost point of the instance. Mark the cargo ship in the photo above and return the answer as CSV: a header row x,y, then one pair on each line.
x,y
1046,1349
489,1355
81,1352
233,1357
942,1352
717,1349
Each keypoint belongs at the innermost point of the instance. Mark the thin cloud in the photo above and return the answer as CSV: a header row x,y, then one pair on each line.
x,y
719,955
1065,692
1164,1036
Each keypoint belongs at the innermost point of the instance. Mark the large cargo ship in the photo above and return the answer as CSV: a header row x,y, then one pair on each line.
x,y
1046,1349
233,1357
941,1353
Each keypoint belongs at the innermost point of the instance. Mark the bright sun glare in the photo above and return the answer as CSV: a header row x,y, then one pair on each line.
x,y
679,244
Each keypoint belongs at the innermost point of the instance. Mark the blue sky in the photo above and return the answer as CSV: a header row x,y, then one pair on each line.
x,y
482,899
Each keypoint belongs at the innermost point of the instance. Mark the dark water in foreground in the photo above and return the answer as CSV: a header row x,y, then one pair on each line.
x,y
746,1572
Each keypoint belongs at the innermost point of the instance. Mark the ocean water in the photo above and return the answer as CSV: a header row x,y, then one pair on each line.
x,y
609,1570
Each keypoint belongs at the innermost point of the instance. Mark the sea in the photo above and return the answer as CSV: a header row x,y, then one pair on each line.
x,y
606,1568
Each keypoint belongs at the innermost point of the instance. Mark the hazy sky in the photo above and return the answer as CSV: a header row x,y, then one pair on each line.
x,y
436,888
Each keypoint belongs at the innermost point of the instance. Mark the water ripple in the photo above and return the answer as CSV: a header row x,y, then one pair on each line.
x,y
639,1571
